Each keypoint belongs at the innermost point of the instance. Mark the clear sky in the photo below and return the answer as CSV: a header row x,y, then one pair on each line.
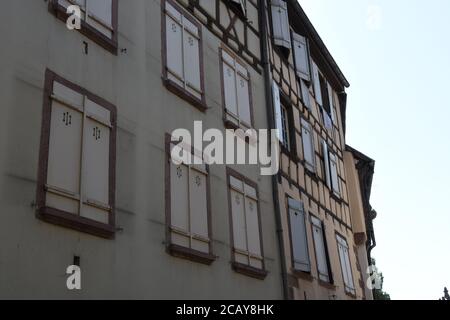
x,y
396,56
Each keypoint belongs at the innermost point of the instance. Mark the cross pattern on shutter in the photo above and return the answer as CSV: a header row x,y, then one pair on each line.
x,y
183,51
308,145
280,24
245,219
79,152
99,13
236,87
189,206
345,264
299,239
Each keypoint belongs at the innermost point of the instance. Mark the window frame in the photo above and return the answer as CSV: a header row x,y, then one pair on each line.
x,y
57,216
244,269
109,44
178,250
169,84
228,123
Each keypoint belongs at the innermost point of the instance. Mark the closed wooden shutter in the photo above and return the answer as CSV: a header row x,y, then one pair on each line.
x,y
191,49
229,84
243,94
317,88
179,204
345,264
277,111
239,229
334,175
280,24
174,45
305,94
301,56
298,236
319,244
199,209
308,145
63,171
326,163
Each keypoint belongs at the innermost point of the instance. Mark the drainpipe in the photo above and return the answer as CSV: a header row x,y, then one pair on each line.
x,y
263,21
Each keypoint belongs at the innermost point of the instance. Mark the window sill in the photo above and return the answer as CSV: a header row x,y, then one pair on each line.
x,y
109,44
249,271
190,254
327,285
183,94
71,221
303,275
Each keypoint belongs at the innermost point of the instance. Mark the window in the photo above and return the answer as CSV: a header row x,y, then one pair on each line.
x,y
245,224
326,162
301,56
345,265
299,240
320,246
77,159
324,97
182,55
98,19
236,91
285,127
280,24
188,207
308,146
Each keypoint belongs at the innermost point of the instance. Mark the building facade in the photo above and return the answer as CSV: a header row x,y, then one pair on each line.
x,y
89,120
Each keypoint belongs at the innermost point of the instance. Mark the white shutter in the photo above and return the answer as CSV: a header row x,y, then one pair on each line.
x,y
326,119
191,49
96,162
301,56
334,175
179,203
308,144
229,87
280,24
243,95
174,45
198,210
305,94
298,236
63,172
253,236
321,256
326,163
277,111
345,264
317,90
349,270
100,15
238,216
330,98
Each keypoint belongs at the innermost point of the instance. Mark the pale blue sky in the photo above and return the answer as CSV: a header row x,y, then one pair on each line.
x,y
396,56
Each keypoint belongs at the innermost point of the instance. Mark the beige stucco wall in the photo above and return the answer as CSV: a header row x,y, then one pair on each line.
x,y
34,254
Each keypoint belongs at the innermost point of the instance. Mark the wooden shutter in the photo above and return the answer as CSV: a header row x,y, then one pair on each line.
x,y
280,24
199,209
330,98
305,94
191,49
63,171
97,131
239,230
243,94
174,45
345,264
301,56
334,175
298,236
100,15
326,163
349,270
179,204
252,223
242,5
317,88
319,244
277,111
308,144
229,84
